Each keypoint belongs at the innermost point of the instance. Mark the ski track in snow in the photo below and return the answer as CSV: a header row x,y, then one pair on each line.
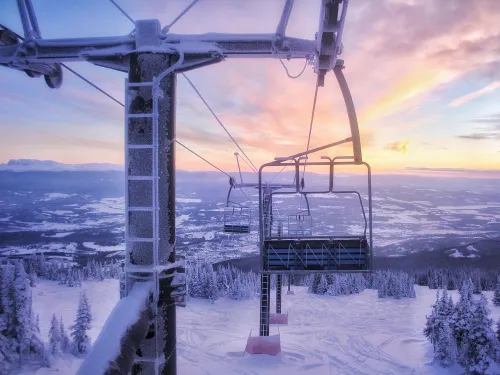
x,y
352,335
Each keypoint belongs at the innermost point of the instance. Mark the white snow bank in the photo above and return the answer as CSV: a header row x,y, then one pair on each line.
x,y
188,200
123,316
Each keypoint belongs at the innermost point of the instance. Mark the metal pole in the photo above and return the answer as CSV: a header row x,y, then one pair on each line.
x,y
265,287
278,293
158,192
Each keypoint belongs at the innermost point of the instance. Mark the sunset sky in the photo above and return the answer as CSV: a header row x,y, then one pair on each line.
x,y
424,75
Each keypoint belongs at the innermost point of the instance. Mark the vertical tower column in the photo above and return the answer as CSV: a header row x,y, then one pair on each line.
x,y
150,195
265,294
278,293
265,279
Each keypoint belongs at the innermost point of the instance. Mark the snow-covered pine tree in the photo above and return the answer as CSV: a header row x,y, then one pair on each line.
x,y
55,336
313,288
65,343
195,284
498,331
70,277
37,324
222,281
343,285
432,325
212,291
322,286
81,341
480,348
463,315
381,286
23,316
235,289
496,295
445,352
476,281
33,279
100,272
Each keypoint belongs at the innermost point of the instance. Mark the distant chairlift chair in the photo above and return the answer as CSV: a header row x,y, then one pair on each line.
x,y
237,219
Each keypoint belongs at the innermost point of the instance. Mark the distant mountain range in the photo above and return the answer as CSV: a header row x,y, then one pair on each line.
x,y
24,165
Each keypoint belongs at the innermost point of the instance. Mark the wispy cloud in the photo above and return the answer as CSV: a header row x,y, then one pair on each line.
x,y
476,94
488,130
463,172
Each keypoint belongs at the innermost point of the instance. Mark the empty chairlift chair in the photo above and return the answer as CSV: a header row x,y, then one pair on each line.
x,y
237,219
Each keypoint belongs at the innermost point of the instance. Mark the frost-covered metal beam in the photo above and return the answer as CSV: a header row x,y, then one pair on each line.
x,y
126,327
115,51
285,16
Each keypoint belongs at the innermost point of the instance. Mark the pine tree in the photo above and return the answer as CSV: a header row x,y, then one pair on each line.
x,y
71,278
315,283
37,323
498,331
462,315
480,348
55,336
323,285
235,289
22,309
382,286
212,291
433,323
65,343
81,341
446,350
496,296
33,279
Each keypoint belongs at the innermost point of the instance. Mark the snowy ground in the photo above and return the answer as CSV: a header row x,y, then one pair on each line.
x,y
357,334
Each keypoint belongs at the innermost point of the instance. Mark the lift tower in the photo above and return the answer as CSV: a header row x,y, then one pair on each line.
x,y
151,56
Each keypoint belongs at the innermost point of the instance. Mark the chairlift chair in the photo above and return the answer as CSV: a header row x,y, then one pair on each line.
x,y
237,219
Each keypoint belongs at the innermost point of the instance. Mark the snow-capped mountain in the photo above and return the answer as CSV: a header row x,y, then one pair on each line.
x,y
23,165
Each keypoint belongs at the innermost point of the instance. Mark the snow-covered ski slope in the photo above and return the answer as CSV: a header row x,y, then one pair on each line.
x,y
357,334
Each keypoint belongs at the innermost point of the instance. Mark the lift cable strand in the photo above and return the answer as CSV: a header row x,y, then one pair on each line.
x,y
120,103
277,174
202,158
245,160
311,125
219,121
167,28
123,12
288,73
92,84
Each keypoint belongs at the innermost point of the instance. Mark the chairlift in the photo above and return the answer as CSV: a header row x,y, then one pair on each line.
x,y
237,217
295,248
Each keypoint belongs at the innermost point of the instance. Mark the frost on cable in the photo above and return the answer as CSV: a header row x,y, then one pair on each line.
x,y
107,346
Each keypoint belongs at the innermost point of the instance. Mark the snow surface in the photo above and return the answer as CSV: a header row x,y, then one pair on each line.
x,y
357,334
52,196
188,200
57,235
95,247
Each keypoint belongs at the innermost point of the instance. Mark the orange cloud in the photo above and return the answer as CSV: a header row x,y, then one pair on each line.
x,y
401,146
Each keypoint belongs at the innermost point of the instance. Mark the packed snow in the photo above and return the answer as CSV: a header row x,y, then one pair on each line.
x,y
188,200
356,334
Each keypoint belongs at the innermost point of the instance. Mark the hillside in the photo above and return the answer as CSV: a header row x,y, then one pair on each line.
x,y
356,335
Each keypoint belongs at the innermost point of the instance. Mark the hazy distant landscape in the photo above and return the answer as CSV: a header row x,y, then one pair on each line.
x,y
79,214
